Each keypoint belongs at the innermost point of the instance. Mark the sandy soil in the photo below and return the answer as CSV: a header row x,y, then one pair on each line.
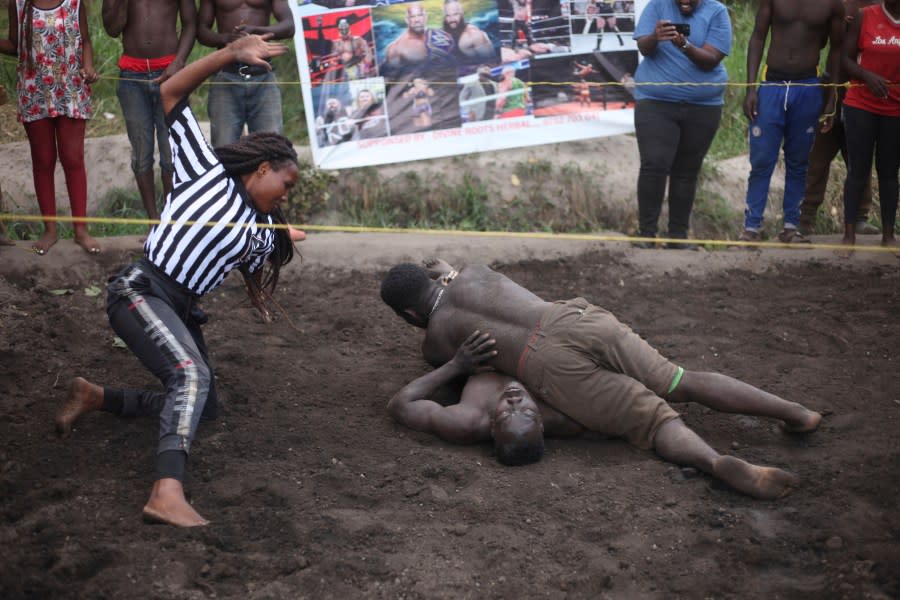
x,y
314,493
613,160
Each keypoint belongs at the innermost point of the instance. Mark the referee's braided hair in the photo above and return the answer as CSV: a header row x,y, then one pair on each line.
x,y
244,156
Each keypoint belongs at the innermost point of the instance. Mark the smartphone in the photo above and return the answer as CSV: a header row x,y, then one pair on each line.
x,y
683,28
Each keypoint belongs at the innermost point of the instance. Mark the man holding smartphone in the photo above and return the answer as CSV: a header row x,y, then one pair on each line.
x,y
683,43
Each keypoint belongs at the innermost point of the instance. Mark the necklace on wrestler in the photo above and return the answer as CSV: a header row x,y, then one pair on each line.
x,y
436,302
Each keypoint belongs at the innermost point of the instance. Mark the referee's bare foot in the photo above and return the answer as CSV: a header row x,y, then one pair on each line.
x,y
83,397
167,505
765,483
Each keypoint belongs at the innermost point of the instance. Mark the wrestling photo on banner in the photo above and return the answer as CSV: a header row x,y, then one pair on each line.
x,y
532,29
350,111
419,61
584,82
340,46
605,25
429,78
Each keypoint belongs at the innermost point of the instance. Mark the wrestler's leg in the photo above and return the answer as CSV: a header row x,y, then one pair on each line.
x,y
727,394
676,443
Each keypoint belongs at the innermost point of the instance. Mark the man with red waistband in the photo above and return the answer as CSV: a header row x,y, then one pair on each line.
x,y
243,94
572,356
153,50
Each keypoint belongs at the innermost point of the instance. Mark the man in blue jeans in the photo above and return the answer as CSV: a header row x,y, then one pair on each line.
x,y
152,51
243,94
785,108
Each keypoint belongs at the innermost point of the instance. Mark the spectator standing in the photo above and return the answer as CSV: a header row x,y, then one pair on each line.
x,y
826,146
785,109
152,51
240,93
872,113
675,124
53,78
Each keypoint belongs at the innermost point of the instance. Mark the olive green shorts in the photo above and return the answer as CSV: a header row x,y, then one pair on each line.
x,y
583,362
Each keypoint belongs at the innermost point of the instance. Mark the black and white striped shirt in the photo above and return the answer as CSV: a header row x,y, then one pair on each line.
x,y
209,225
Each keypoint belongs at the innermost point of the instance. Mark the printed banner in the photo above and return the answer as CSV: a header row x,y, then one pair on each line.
x,y
389,82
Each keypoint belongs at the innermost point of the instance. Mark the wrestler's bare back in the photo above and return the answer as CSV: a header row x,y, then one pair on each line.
x,y
797,30
482,299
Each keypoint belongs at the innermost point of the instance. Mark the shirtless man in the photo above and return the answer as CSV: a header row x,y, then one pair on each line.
x,y
521,22
353,52
256,102
152,51
473,46
419,49
579,360
782,114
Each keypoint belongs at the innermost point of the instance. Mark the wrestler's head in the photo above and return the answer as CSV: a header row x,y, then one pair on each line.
x,y
416,17
405,289
344,28
516,427
332,106
364,98
687,7
454,19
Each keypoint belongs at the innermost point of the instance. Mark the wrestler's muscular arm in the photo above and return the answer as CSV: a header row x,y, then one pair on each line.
x,y
754,56
283,26
458,423
235,18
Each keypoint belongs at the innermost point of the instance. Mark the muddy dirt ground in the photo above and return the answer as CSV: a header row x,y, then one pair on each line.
x,y
314,493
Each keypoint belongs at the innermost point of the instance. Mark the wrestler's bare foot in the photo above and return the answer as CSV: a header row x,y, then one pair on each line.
x,y
83,397
90,245
46,242
168,505
765,483
808,423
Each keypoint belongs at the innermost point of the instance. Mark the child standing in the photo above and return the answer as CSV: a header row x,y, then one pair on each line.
x,y
56,66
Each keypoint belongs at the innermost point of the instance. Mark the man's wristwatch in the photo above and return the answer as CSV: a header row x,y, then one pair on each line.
x,y
685,45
